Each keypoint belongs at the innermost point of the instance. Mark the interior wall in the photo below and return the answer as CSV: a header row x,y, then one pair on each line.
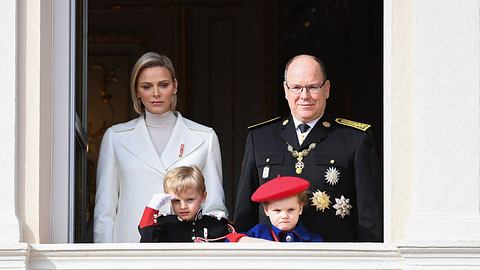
x,y
229,58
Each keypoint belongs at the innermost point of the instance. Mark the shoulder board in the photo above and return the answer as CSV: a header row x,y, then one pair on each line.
x,y
263,123
354,124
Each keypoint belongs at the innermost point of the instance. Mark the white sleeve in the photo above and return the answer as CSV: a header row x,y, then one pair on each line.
x,y
106,198
212,172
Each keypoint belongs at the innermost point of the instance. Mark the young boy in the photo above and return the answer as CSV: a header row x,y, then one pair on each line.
x,y
185,188
283,199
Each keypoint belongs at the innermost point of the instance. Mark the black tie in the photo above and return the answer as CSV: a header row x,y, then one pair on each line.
x,y
303,127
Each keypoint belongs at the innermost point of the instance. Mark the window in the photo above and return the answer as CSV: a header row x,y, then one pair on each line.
x,y
229,38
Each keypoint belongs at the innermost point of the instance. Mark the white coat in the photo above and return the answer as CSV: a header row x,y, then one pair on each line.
x,y
130,171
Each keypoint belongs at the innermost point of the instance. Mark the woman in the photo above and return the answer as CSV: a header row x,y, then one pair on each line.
x,y
135,156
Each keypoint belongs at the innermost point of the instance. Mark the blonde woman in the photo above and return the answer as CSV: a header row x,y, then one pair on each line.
x,y
135,156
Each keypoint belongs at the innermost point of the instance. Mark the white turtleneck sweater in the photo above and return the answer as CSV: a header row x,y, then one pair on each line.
x,y
160,128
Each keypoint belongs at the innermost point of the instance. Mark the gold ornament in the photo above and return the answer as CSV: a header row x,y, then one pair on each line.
x,y
353,124
300,155
321,200
332,175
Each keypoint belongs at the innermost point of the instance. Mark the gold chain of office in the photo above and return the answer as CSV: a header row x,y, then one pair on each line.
x,y
300,156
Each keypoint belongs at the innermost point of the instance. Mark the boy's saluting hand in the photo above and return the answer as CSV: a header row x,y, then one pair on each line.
x,y
159,199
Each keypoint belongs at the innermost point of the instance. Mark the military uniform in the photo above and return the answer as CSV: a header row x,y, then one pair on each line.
x,y
170,228
337,157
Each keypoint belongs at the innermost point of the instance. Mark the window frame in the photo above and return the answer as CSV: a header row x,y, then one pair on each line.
x,y
62,215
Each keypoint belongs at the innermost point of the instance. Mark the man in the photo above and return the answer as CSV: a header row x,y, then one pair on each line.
x,y
337,156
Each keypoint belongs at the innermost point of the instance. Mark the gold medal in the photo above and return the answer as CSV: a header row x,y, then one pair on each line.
x,y
300,155
299,167
321,200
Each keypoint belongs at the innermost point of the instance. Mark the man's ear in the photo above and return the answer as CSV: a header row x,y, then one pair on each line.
x,y
301,209
285,88
327,88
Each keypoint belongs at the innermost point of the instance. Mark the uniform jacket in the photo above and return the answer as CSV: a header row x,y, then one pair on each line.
x,y
344,149
272,233
171,229
130,171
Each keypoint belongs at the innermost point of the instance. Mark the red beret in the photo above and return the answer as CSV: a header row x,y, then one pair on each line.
x,y
279,188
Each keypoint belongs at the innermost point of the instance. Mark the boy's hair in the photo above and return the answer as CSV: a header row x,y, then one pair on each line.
x,y
302,198
182,178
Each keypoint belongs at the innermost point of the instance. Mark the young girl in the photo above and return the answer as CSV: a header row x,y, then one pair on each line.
x,y
185,188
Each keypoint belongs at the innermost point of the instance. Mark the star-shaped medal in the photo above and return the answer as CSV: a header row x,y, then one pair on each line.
x,y
332,175
343,207
321,200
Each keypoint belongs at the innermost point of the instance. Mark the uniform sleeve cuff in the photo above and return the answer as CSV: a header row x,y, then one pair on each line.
x,y
149,217
235,237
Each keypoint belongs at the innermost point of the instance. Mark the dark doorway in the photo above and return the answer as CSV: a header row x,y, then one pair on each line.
x,y
229,56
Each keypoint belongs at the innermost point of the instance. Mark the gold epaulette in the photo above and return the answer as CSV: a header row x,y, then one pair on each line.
x,y
354,124
263,123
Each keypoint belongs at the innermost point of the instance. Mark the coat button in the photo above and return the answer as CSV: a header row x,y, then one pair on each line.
x,y
332,161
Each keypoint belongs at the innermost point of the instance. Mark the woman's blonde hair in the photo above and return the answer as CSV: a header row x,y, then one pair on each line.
x,y
148,60
182,178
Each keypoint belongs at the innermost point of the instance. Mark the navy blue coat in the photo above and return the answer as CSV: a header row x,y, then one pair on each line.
x,y
272,233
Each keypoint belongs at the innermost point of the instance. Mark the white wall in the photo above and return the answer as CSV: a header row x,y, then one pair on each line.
x,y
9,226
445,113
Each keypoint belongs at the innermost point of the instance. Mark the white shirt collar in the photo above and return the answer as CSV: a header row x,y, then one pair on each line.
x,y
312,123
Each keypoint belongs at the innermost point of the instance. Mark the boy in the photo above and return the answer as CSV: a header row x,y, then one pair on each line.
x,y
283,199
185,188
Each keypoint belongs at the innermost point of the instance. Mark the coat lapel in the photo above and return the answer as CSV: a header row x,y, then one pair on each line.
x,y
289,134
139,143
317,134
181,135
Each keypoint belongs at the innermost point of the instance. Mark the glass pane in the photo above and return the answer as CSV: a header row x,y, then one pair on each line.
x,y
80,60
83,198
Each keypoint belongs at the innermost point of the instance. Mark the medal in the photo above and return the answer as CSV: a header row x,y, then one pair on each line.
x,y
299,167
342,206
321,200
332,175
300,155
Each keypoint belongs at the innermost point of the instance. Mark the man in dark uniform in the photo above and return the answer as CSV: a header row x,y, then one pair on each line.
x,y
337,156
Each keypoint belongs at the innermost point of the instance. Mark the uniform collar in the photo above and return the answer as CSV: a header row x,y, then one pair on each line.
x,y
312,123
289,134
299,233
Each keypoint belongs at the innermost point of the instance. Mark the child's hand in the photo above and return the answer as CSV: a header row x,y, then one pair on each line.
x,y
159,199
